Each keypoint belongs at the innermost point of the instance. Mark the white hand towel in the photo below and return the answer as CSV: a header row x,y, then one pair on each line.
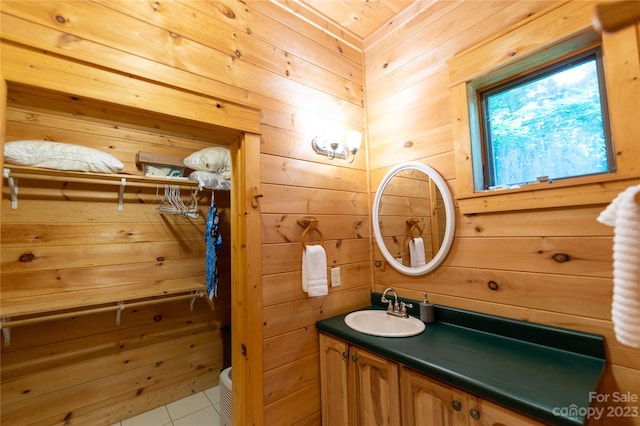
x,y
416,252
624,215
314,271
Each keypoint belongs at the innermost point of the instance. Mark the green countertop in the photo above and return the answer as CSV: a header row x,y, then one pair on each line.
x,y
544,372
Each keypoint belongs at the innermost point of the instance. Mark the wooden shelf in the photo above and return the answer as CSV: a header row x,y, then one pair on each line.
x,y
73,300
50,307
13,172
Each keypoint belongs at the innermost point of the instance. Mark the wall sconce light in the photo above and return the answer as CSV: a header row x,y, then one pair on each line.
x,y
336,148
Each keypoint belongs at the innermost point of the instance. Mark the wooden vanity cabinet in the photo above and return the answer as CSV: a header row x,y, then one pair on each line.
x,y
334,381
361,388
357,386
426,401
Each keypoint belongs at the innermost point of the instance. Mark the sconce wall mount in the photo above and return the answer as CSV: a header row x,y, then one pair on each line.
x,y
338,149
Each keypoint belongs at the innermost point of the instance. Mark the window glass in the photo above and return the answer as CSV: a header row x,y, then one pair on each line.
x,y
550,124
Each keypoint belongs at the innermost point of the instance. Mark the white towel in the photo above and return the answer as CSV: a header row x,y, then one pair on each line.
x,y
314,271
416,252
624,215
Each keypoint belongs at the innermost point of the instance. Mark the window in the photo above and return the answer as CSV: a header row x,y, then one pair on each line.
x,y
547,125
559,35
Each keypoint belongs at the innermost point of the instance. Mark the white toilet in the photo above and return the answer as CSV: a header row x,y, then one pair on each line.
x,y
225,397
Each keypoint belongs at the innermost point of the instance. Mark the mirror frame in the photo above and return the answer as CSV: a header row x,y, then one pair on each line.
x,y
450,216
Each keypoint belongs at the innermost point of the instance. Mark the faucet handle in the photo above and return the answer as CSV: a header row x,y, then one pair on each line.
x,y
404,306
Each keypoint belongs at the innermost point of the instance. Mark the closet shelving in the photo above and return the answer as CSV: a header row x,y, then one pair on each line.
x,y
31,310
13,172
50,307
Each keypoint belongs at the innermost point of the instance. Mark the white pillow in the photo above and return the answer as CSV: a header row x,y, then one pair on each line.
x,y
210,180
215,159
60,156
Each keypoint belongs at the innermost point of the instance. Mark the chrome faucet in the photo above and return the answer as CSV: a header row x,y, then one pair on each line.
x,y
393,308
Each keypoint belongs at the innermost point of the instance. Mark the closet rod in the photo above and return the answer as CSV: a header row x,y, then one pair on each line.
x,y
14,173
44,318
130,180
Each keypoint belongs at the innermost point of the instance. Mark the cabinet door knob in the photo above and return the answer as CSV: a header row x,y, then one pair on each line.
x,y
457,405
475,414
345,354
355,358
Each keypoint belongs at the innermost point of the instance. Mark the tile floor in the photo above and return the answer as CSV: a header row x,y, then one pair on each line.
x,y
200,409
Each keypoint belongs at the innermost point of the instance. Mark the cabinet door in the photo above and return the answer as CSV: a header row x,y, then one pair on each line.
x,y
485,413
428,402
375,388
334,355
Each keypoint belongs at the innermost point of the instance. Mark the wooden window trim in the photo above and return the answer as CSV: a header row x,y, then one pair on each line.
x,y
549,35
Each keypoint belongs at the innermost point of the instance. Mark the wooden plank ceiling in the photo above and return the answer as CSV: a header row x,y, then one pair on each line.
x,y
358,18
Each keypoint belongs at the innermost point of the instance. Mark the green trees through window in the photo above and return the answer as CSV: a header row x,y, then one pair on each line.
x,y
549,124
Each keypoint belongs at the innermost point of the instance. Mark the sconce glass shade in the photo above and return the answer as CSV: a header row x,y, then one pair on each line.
x,y
354,139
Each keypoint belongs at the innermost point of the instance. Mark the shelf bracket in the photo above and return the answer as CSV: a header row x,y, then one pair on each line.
x,y
192,301
119,312
6,331
13,187
123,183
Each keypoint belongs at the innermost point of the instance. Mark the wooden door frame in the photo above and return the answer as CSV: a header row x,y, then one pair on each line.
x,y
246,283
3,113
246,253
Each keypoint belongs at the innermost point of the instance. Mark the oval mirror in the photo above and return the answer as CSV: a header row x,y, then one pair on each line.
x,y
413,218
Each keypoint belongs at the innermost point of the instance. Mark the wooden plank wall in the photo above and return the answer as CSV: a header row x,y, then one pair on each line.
x,y
303,80
409,118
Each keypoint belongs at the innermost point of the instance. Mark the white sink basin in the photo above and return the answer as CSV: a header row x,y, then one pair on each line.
x,y
378,323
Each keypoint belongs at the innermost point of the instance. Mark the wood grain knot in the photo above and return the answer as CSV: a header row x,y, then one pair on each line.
x,y
561,257
492,285
27,257
60,19
226,11
408,144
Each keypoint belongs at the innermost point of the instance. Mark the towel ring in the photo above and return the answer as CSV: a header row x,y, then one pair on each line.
x,y
413,228
306,231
